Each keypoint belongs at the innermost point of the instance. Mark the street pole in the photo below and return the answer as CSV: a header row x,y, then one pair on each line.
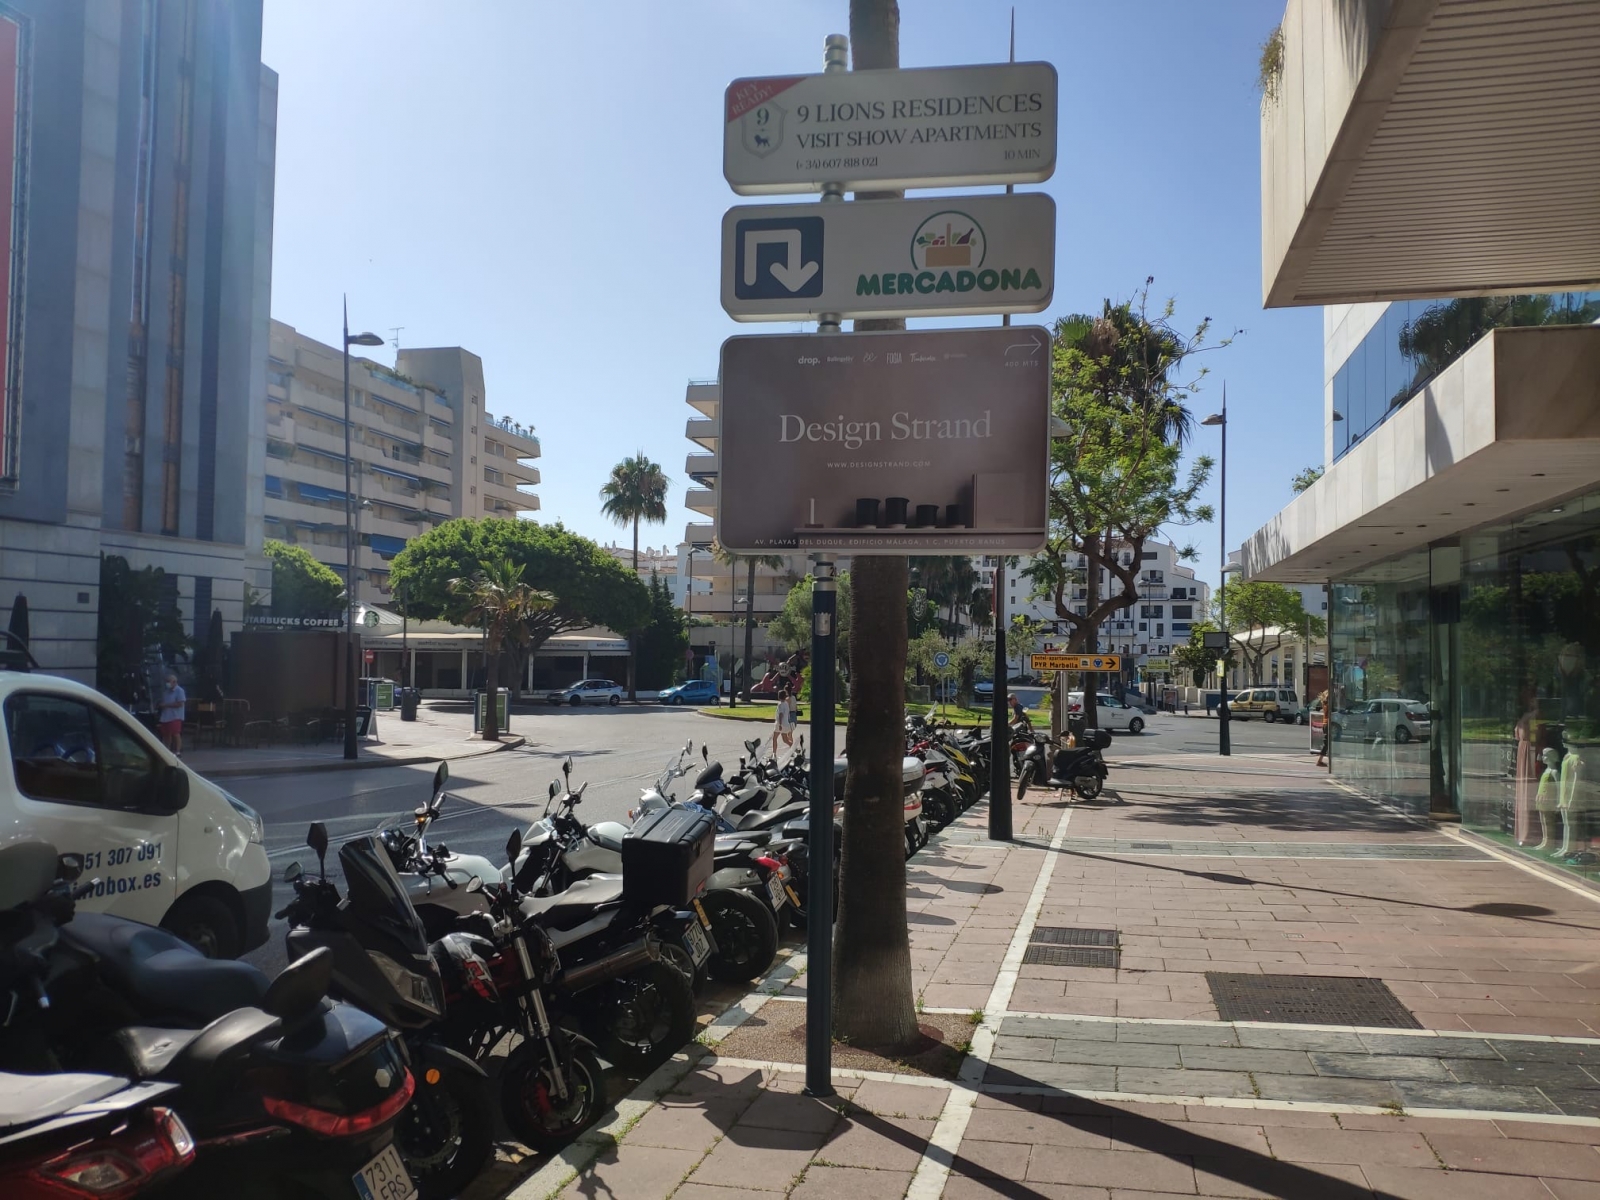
x,y
999,719
1224,739
349,563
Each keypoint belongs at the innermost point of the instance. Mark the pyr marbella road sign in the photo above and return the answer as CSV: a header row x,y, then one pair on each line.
x,y
883,258
1075,662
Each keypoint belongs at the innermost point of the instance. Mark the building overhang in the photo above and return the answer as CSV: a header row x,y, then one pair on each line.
x,y
1420,148
1512,425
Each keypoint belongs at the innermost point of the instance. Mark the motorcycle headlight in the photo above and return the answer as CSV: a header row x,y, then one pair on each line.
x,y
418,989
258,827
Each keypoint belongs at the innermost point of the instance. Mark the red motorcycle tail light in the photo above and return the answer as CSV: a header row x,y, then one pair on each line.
x,y
770,864
124,1164
329,1124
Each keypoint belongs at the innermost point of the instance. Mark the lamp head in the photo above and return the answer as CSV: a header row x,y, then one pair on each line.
x,y
1215,419
363,339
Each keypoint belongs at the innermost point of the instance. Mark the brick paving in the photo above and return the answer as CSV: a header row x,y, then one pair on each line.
x,y
1121,1083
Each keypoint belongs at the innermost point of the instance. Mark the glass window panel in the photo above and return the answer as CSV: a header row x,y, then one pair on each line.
x,y
1341,405
1357,416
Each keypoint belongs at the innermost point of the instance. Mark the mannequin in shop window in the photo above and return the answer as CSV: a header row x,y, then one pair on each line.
x,y
1547,800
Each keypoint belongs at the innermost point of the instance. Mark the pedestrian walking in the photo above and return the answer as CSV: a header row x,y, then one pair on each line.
x,y
169,721
1327,729
784,722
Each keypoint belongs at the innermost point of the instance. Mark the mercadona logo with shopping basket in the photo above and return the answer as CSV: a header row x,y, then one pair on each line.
x,y
949,253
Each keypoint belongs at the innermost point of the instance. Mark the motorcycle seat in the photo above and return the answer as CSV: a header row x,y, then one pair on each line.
x,y
193,1056
603,840
161,972
575,905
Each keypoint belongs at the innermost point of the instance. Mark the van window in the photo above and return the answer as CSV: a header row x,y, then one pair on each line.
x,y
69,751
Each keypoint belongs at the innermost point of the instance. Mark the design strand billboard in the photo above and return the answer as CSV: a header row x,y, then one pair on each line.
x,y
929,127
954,255
915,442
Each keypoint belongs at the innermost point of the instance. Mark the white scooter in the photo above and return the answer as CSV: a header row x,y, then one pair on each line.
x,y
435,878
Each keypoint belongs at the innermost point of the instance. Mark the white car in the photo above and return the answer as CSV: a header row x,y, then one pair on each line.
x,y
159,843
1110,713
1390,719
590,691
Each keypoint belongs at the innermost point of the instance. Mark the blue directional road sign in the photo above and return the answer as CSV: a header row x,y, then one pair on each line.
x,y
777,258
941,660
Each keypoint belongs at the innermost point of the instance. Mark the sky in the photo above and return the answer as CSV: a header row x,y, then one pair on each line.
x,y
541,183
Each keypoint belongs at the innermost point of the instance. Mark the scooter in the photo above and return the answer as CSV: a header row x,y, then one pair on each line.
x,y
434,877
1077,768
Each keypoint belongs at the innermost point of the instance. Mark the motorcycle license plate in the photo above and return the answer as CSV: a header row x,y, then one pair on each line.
x,y
385,1178
775,891
698,945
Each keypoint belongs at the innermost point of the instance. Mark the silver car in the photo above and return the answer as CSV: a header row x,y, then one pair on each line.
x,y
589,691
1393,720
1110,713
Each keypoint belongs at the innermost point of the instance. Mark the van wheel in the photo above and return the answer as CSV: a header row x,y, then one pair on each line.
x,y
1270,717
207,924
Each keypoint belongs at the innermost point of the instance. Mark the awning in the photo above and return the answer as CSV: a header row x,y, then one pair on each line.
x,y
275,487
411,479
312,491
386,546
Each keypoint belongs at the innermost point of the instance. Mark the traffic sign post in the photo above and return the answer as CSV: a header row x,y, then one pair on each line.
x,y
931,127
889,258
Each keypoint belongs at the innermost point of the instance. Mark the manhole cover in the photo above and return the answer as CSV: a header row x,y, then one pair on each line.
x,y
1059,935
1150,845
1308,1000
1071,956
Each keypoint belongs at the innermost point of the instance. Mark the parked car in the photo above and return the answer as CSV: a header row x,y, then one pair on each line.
x,y
590,691
161,844
1391,719
1111,713
1269,703
695,691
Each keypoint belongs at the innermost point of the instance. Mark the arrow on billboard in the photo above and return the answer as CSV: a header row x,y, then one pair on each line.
x,y
1035,346
792,273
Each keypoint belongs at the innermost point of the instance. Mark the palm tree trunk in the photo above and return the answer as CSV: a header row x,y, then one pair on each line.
x,y
749,621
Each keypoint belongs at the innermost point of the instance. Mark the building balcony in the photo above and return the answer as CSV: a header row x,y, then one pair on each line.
x,y
1416,149
699,535
703,432
517,437
702,468
704,395
701,500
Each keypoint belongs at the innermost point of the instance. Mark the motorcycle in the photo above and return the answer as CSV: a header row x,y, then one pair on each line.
x,y
1078,768
88,1135
434,877
383,963
285,1091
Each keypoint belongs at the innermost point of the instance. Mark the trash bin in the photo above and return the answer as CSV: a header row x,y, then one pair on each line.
x,y
409,697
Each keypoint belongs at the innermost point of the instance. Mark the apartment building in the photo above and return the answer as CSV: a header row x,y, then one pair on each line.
x,y
422,451
136,198
1428,174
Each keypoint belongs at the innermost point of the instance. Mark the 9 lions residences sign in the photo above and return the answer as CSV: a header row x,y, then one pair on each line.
x,y
885,258
930,127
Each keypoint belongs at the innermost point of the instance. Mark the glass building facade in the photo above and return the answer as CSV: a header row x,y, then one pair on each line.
x,y
1415,340
1465,679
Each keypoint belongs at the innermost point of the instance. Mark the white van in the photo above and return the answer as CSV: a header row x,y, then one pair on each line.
x,y
163,845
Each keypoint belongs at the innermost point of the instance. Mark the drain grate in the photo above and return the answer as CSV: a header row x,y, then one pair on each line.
x,y
1071,935
1149,845
1308,1000
1072,956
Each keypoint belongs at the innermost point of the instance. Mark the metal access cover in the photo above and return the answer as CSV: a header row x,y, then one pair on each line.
x,y
1072,956
1308,1000
1070,935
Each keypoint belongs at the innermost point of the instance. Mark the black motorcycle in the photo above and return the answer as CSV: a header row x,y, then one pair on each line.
x,y
287,1093
1046,763
383,963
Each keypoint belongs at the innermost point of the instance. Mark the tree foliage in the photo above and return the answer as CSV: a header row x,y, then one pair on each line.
x,y
587,586
301,585
138,619
663,640
1304,479
1118,477
1260,615
636,491
497,600
1193,657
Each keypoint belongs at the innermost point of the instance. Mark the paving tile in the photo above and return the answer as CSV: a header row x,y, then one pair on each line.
x,y
1428,1047
1269,1179
681,1127
1516,1156
1060,1027
845,1183
1515,1050
699,1191
644,1172
1418,1094
1109,1168
1192,1138
1399,1148
1320,1089
1121,1054
788,1110
878,1143
1215,1114
1379,1066
980,1160
900,1099
961,1188
1550,1131
754,1157
1061,1129
1229,1058
1523,1074
1300,1039
1411,1183
1183,1082
1585,1103
1571,1189
1181,1035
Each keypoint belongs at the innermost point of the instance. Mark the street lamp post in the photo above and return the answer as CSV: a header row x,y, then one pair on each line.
x,y
360,339
1224,741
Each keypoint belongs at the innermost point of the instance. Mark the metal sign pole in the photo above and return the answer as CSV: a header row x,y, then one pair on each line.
x,y
999,718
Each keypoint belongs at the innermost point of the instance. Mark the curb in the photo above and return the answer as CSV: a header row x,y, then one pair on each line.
x,y
306,767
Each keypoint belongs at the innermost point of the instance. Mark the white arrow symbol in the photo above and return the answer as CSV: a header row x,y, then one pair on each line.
x,y
1036,345
791,272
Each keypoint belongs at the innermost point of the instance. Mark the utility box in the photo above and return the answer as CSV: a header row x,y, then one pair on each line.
x,y
480,710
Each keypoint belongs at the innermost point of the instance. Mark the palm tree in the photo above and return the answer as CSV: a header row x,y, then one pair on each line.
x,y
751,562
636,491
497,599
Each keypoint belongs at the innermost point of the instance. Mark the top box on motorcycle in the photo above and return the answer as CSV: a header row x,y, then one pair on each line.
x,y
667,857
912,771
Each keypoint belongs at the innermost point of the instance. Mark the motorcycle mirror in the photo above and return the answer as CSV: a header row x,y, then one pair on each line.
x,y
566,768
554,788
440,777
317,839
69,867
688,747
293,871
704,753
514,846
474,885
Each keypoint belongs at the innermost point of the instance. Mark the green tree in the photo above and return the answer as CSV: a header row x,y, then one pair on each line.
x,y
1305,479
1260,615
1021,638
1193,657
636,491
138,616
496,599
587,584
1118,478
302,586
663,640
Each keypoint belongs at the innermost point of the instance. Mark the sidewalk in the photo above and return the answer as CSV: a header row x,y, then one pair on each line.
x,y
1147,1027
439,734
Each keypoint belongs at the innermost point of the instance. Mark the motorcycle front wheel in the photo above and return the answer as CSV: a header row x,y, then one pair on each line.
x,y
938,809
746,934
446,1133
531,1103
643,1018
1024,778
1087,786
